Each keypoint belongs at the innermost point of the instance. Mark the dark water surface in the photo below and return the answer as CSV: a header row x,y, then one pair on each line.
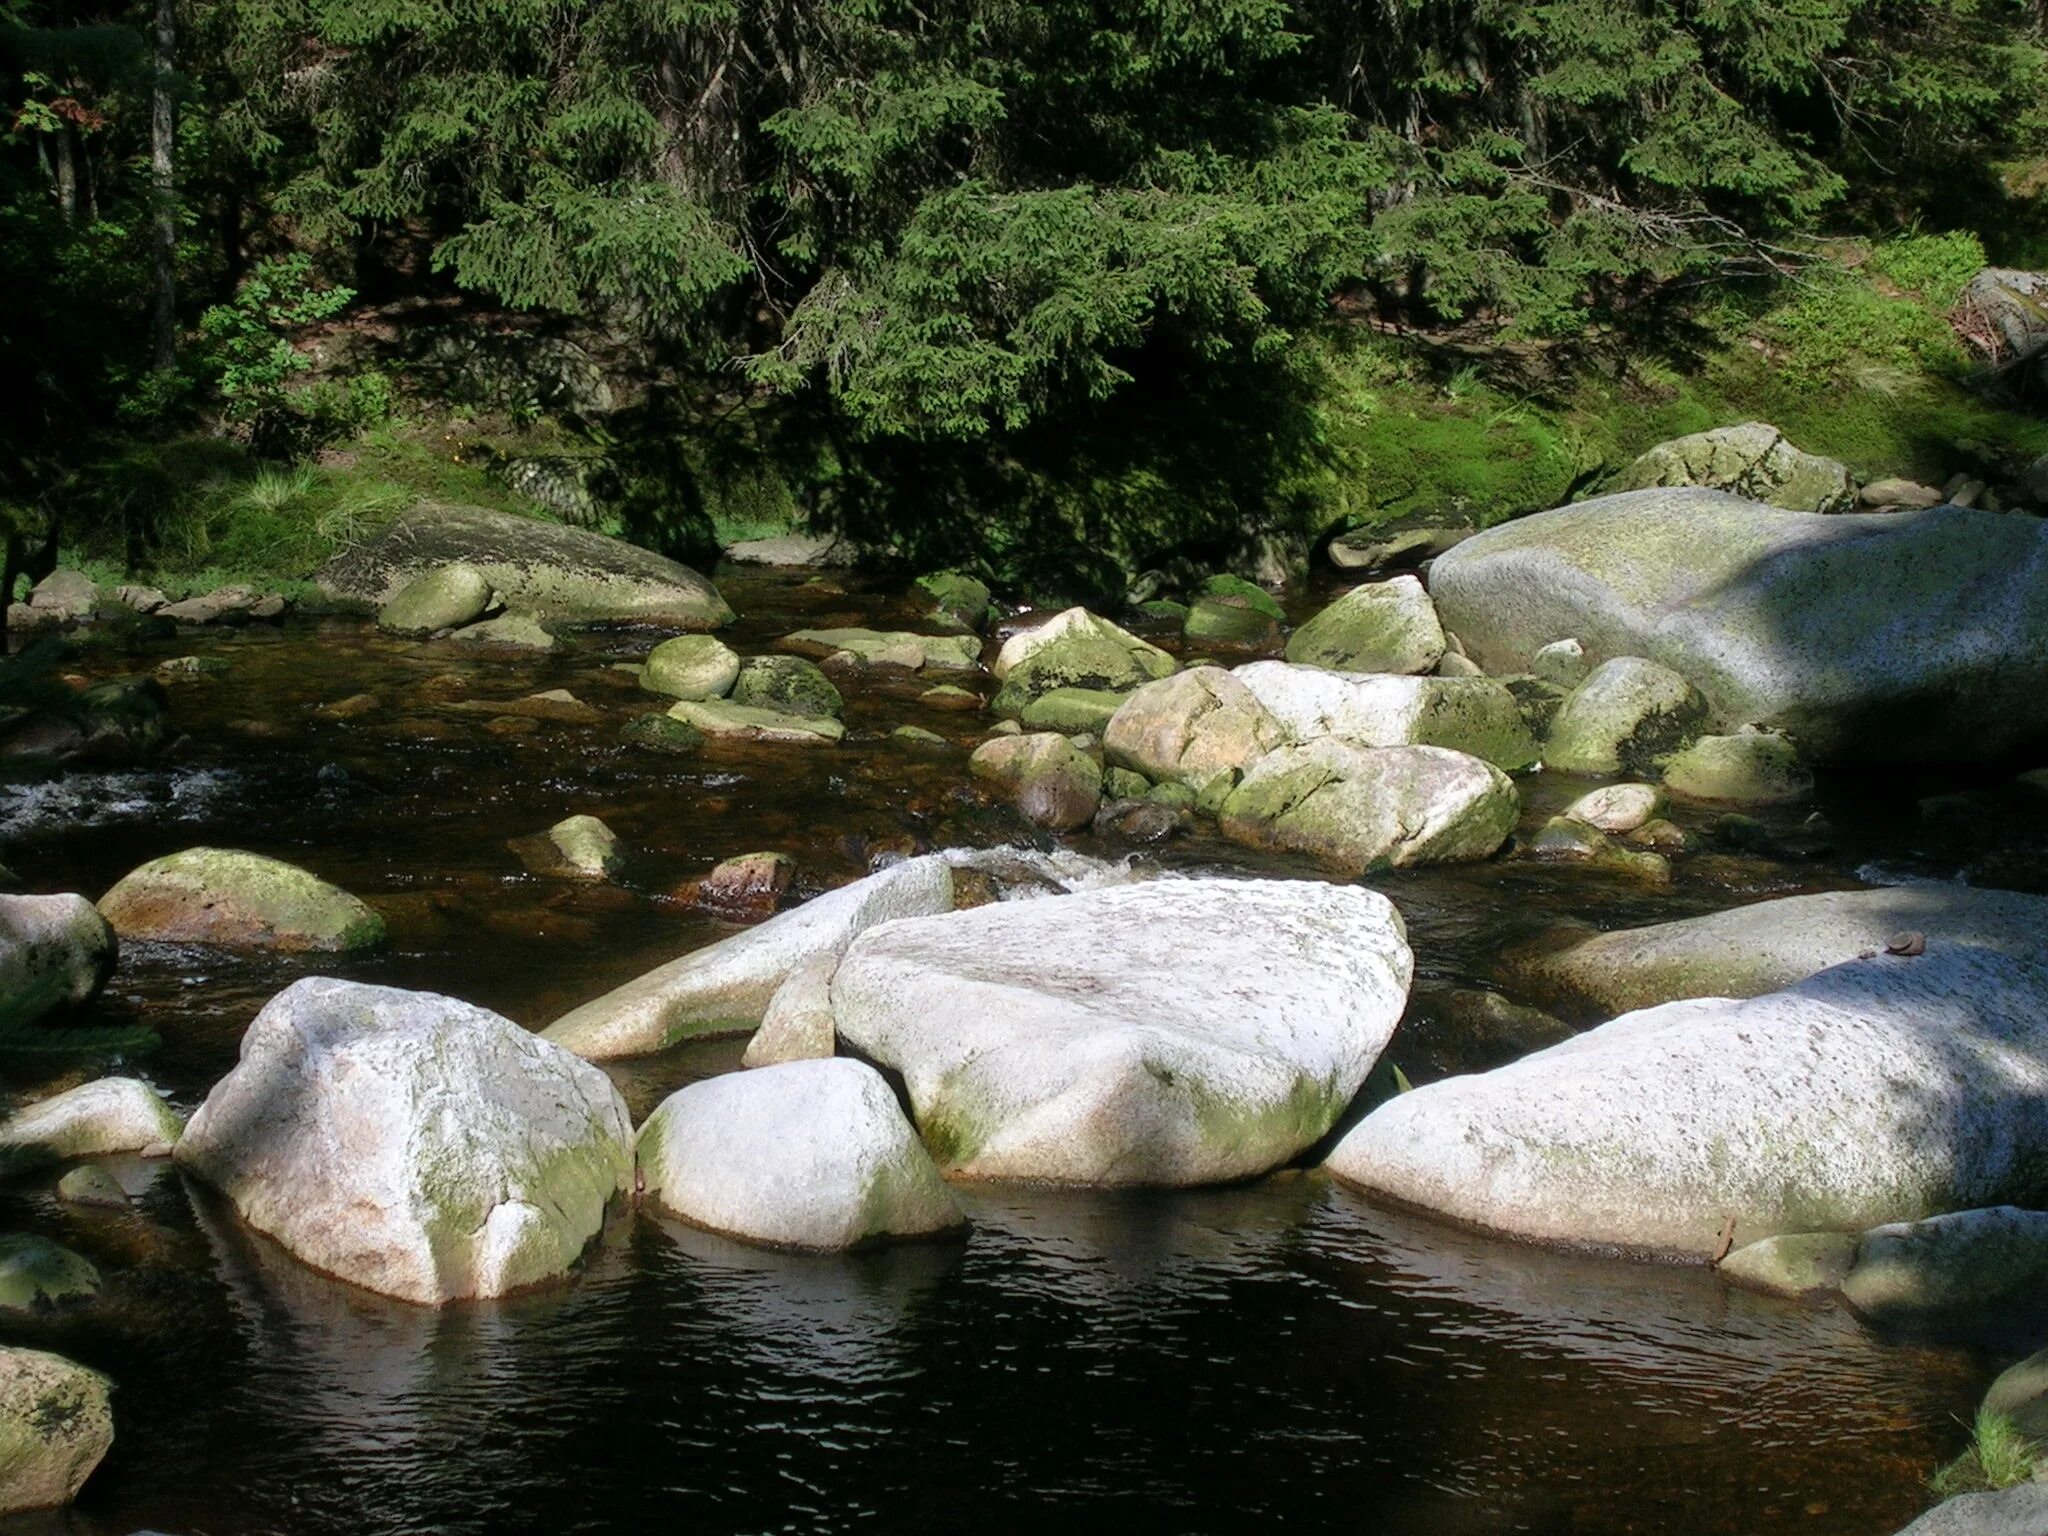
x,y
1199,1361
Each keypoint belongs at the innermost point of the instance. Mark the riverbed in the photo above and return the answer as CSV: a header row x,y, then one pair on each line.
x,y
1186,1361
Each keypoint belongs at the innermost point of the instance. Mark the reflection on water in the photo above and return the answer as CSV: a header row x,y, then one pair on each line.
x,y
1204,1360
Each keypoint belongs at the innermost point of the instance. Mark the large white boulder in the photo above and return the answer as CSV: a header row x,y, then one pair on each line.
x,y
1364,809
1898,635
1883,1090
1478,715
55,952
1177,1032
412,1144
1191,728
724,988
806,1154
1747,951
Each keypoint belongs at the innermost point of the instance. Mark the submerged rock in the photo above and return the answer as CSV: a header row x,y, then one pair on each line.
x,y
112,1114
1192,728
1876,636
1044,775
509,632
1747,951
744,889
1475,715
1627,715
92,1185
412,1144
1795,1264
238,900
56,1425
55,952
725,987
546,569
1177,1032
1751,460
806,1154
1229,623
444,598
1882,1090
889,648
1361,810
789,685
693,667
721,719
1569,840
1388,626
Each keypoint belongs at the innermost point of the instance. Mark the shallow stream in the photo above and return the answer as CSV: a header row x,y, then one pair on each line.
x,y
1191,1361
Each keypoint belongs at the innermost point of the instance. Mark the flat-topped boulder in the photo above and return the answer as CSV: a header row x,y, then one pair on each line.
x,y
412,1144
805,1154
723,720
1175,1032
1917,635
888,648
544,569
1476,715
238,900
1889,1089
1747,951
1364,809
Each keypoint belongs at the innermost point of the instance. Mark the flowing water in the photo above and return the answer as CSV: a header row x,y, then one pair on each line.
x,y
1182,1361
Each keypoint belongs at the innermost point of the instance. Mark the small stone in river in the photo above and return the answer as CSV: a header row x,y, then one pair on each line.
x,y
917,734
1044,775
1141,821
512,725
948,697
1562,664
229,897
353,707
91,1185
691,667
1567,838
747,888
512,631
658,732
186,669
1618,808
575,848
789,685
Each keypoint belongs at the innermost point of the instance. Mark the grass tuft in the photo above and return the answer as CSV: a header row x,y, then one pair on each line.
x,y
1999,1457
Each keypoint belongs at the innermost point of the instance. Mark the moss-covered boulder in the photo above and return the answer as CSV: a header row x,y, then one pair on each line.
x,y
1388,626
545,569
1750,768
479,1157
1049,779
36,1273
1566,839
1752,460
804,1154
1478,715
1228,623
1172,1032
1072,711
657,732
1767,945
723,720
1949,1268
694,667
1074,649
1794,1264
1362,809
789,685
1192,728
1627,716
56,952
111,1114
574,848
507,632
1862,636
1888,1089
238,900
56,1425
446,597
954,597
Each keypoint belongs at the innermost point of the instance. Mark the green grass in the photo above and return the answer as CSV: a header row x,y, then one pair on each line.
x,y
1999,1457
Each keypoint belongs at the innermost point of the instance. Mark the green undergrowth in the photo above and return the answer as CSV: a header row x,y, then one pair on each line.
x,y
1999,1457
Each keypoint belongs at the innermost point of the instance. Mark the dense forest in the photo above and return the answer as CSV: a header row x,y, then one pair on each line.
x,y
1058,286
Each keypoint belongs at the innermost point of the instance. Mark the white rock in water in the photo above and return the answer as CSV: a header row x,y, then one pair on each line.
x,y
412,1144
1879,636
724,988
55,952
114,1114
1883,1090
807,1154
1475,715
1177,1032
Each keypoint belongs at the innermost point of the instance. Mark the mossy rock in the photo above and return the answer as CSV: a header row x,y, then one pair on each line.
x,y
1072,711
691,667
239,900
36,1273
657,732
1751,768
957,596
1388,626
1229,623
789,685
446,597
1625,717
1248,594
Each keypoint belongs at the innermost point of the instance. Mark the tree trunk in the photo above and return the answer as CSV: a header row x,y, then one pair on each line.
x,y
65,152
164,319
